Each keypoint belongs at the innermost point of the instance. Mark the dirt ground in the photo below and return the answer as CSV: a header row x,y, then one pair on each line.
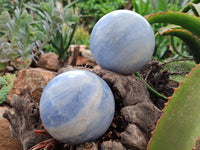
x,y
6,140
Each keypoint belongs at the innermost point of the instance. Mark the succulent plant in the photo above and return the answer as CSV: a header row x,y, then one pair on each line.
x,y
178,127
6,83
59,25
186,26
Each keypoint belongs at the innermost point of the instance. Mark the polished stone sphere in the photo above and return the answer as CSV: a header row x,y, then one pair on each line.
x,y
122,41
76,107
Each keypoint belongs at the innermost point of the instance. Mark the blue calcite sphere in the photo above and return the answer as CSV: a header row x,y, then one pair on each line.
x,y
122,41
76,107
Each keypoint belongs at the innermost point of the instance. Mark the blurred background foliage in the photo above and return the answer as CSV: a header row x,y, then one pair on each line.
x,y
28,28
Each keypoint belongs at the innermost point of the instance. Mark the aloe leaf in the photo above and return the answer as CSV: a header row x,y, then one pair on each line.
x,y
192,41
178,128
188,6
72,4
187,21
177,50
146,7
196,9
36,9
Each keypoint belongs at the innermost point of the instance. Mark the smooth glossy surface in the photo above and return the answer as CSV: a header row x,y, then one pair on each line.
x,y
122,41
77,106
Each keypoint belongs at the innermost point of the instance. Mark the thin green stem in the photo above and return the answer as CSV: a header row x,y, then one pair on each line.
x,y
174,48
150,89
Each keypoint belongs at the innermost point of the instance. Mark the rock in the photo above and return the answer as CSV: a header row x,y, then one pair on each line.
x,y
87,146
66,68
145,115
24,119
48,61
130,128
112,145
87,54
129,89
133,138
97,67
31,82
10,68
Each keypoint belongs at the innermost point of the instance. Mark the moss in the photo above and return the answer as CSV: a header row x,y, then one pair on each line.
x,y
6,83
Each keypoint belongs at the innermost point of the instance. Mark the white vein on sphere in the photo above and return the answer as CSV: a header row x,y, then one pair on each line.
x,y
72,129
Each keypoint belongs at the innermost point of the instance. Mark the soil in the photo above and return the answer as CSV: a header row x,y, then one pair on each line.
x,y
158,78
7,142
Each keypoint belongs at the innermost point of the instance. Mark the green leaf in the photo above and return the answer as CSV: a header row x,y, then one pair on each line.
x,y
36,9
180,66
196,9
9,78
3,82
4,93
4,19
178,127
17,14
44,6
191,40
21,46
162,30
39,35
187,21
57,19
72,4
2,66
30,47
146,8
188,6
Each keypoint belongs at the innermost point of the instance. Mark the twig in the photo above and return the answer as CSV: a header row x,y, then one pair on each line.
x,y
176,60
75,56
178,73
148,73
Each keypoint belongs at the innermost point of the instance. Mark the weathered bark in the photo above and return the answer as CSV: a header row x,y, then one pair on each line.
x,y
24,119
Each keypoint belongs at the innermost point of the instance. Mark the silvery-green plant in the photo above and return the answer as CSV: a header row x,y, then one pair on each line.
x,y
60,25
25,35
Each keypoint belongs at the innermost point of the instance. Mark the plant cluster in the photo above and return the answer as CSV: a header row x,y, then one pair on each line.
x,y
81,36
178,127
6,83
180,119
165,47
184,26
30,29
92,10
